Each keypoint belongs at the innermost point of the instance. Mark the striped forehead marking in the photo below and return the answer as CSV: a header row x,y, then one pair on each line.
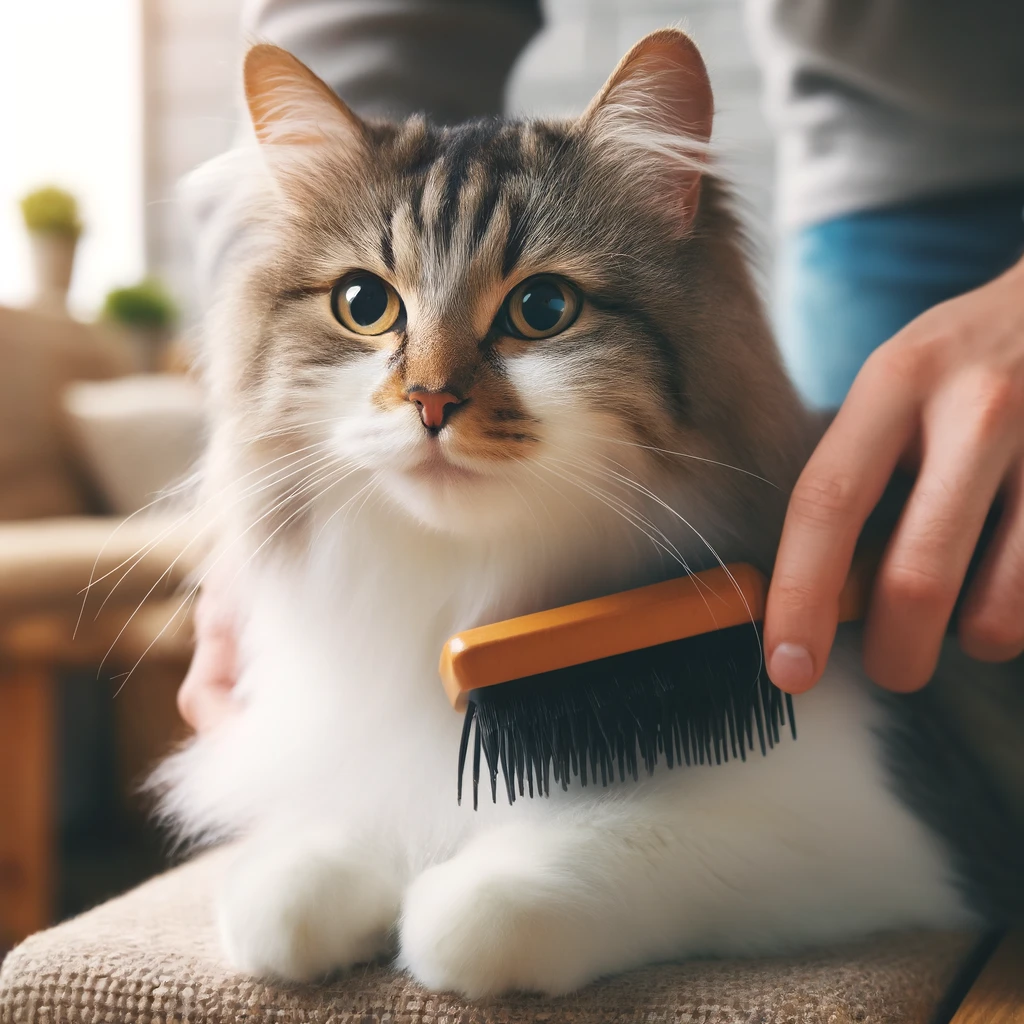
x,y
464,180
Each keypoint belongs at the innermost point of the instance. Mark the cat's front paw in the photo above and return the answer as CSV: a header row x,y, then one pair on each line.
x,y
298,914
480,930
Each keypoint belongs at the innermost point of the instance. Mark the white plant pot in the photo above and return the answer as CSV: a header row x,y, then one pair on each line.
x,y
53,259
139,434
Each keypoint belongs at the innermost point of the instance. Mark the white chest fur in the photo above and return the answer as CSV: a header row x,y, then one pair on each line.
x,y
346,739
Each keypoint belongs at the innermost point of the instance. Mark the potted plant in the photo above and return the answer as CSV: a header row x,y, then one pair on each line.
x,y
51,216
147,314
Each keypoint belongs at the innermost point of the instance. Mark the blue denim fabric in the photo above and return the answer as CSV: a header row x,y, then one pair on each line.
x,y
847,285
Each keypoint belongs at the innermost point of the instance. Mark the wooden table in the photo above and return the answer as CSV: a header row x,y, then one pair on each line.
x,y
43,567
996,994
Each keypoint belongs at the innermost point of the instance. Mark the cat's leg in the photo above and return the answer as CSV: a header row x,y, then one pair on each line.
x,y
540,906
806,846
297,906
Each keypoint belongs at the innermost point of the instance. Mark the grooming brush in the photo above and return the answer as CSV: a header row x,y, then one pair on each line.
x,y
602,688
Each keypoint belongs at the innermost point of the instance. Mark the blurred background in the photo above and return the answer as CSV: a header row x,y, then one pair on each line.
x,y
116,99
106,105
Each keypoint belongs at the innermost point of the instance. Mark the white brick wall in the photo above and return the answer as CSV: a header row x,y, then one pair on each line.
x,y
191,62
191,72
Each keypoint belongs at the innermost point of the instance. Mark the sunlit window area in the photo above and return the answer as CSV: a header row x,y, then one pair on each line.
x,y
72,101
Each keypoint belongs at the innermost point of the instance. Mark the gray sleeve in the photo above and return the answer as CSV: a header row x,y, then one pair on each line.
x,y
447,58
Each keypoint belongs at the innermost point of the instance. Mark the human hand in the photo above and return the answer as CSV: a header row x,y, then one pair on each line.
x,y
206,696
945,393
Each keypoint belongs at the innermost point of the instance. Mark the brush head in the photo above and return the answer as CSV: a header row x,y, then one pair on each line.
x,y
697,700
601,627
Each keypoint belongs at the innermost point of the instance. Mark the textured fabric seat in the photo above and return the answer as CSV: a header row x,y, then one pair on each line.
x,y
152,956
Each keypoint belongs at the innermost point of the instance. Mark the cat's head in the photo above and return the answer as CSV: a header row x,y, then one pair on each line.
x,y
505,320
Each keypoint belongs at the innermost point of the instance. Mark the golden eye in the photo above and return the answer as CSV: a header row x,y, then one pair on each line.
x,y
365,304
541,307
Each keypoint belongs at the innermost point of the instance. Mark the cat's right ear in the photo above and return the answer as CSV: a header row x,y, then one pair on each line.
x,y
654,115
290,106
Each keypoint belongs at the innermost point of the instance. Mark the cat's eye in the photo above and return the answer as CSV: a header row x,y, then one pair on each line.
x,y
365,304
541,307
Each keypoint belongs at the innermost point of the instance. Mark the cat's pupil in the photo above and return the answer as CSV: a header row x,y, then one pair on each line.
x,y
543,305
367,299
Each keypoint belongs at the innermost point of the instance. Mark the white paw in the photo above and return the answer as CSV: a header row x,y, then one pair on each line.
x,y
298,914
475,927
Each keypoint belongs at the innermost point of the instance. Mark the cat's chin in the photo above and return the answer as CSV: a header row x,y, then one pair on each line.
x,y
455,500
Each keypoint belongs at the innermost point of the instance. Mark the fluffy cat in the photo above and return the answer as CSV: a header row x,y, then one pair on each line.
x,y
457,374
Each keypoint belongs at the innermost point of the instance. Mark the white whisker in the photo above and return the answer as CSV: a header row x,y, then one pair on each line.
x,y
263,484
302,488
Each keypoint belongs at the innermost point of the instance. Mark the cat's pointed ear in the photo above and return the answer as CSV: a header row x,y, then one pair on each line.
x,y
290,106
655,111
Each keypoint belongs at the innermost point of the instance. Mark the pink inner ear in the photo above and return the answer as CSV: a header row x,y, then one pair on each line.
x,y
658,105
287,102
667,83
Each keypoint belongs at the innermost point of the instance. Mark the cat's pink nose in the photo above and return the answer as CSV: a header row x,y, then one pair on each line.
x,y
434,406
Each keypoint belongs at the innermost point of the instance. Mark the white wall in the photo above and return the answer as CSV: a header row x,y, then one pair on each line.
x,y
71,109
192,91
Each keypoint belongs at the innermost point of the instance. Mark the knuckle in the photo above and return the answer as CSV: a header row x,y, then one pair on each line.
x,y
911,358
994,633
997,402
917,586
822,498
794,591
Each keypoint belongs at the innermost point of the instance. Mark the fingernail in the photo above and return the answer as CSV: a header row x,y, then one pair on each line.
x,y
791,667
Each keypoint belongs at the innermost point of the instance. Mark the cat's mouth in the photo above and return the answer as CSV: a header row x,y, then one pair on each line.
x,y
436,467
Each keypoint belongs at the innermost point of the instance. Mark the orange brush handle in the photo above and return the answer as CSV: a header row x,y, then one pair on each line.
x,y
606,626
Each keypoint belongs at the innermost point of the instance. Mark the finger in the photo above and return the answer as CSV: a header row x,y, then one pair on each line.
x,y
842,482
212,613
205,697
991,625
927,557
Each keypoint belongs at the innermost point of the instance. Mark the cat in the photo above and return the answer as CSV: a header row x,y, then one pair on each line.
x,y
460,373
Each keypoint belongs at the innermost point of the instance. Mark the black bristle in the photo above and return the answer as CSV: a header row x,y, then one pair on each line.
x,y
698,700
467,728
591,752
510,782
491,755
716,735
730,721
574,759
759,720
779,716
520,765
477,740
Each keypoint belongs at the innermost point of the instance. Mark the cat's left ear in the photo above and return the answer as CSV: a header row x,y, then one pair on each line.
x,y
290,106
655,111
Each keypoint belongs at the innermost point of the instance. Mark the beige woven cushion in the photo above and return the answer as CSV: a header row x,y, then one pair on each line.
x,y
152,955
